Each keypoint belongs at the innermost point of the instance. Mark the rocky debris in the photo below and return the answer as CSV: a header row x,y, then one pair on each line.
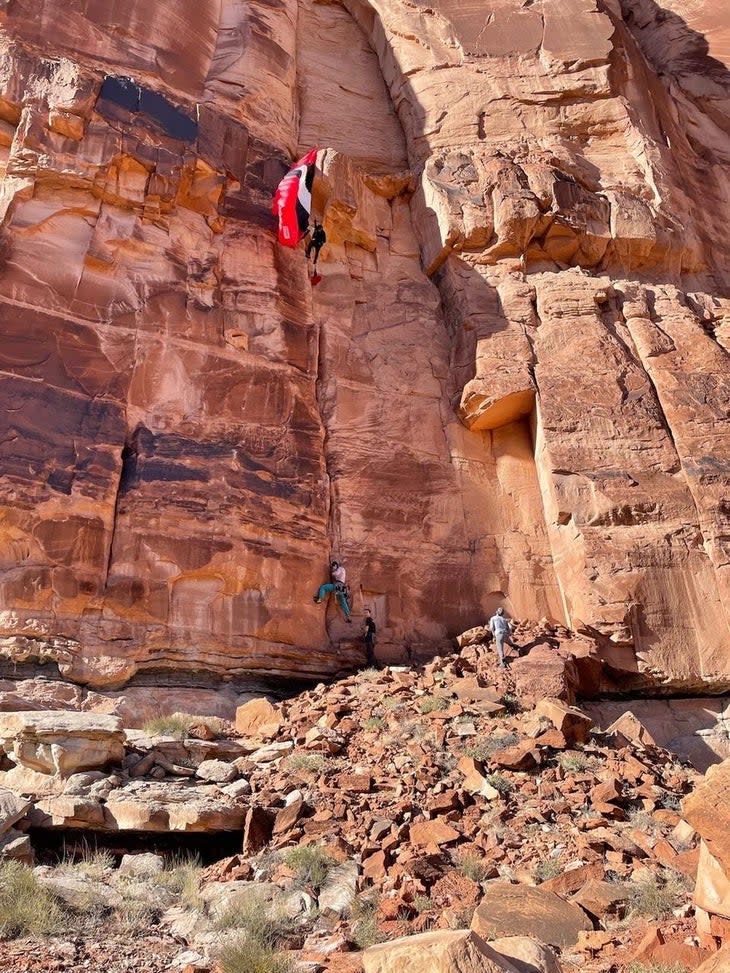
x,y
375,788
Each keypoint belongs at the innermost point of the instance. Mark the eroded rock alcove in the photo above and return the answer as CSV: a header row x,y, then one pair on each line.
x,y
510,387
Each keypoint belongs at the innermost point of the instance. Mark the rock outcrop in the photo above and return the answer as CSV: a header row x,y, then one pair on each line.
x,y
707,810
508,387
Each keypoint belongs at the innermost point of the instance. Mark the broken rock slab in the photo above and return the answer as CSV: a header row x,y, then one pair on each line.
x,y
12,809
521,910
527,955
573,723
61,742
437,952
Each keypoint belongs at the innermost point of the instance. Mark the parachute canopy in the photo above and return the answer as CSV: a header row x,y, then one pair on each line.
x,y
293,200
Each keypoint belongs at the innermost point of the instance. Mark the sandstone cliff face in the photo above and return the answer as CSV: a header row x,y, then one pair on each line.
x,y
509,388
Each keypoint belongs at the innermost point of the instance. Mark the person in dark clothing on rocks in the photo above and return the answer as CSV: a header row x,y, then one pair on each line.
x,y
501,629
338,585
369,638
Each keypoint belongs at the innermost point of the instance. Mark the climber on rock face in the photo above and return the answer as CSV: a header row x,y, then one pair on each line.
x,y
338,585
316,241
501,629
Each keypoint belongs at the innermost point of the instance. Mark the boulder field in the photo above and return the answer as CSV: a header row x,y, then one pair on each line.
x,y
397,820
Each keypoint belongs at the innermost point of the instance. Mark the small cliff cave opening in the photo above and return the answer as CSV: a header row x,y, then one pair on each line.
x,y
55,845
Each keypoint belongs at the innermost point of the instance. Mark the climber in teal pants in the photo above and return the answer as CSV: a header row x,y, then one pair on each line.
x,y
338,586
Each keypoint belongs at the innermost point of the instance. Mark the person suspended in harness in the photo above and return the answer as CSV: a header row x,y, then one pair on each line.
x,y
369,638
501,629
338,586
316,241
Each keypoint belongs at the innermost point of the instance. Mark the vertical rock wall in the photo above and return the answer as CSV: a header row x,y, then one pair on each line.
x,y
508,388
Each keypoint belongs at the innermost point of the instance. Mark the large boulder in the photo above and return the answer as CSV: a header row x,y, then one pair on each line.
x,y
60,742
707,809
459,951
574,724
526,954
521,910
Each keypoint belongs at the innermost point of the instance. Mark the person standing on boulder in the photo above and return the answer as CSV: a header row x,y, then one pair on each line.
x,y
338,585
501,629
369,638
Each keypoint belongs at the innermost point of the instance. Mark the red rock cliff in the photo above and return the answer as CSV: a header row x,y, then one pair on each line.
x,y
510,387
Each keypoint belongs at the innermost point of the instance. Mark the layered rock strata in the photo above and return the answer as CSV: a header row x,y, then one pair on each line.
x,y
509,387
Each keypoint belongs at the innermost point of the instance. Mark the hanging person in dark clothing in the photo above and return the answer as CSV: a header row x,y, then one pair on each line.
x,y
369,638
315,243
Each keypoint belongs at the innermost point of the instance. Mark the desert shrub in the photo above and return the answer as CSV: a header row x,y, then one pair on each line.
x,y
374,723
472,866
310,863
422,903
27,908
573,763
372,672
546,869
176,725
256,918
430,704
390,703
637,967
483,749
242,954
511,703
182,876
89,862
672,802
305,761
656,897
363,915
134,915
500,783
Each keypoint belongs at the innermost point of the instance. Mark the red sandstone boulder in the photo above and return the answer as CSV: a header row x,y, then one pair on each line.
x,y
520,910
436,952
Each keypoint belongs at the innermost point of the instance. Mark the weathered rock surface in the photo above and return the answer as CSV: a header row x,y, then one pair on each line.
x,y
438,952
517,910
708,811
61,743
190,431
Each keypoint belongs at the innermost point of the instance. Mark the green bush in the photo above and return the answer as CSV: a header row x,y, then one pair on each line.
x,y
430,704
257,920
305,761
655,898
637,967
177,725
374,723
546,869
500,783
241,954
483,749
311,864
182,876
473,867
89,862
573,763
27,908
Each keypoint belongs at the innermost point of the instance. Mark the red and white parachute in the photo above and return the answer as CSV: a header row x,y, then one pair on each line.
x,y
293,200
